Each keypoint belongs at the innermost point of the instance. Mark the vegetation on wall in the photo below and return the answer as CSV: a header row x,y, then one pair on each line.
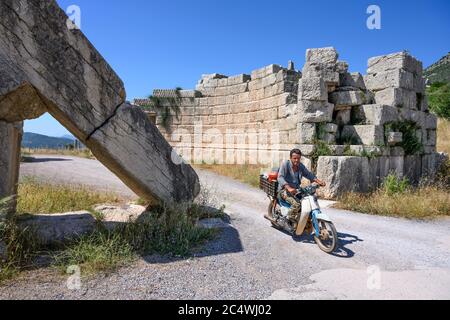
x,y
411,143
166,107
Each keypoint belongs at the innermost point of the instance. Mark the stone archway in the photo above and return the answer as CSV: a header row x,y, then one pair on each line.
x,y
45,66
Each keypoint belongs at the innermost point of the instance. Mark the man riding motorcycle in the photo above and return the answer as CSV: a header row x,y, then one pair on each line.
x,y
289,180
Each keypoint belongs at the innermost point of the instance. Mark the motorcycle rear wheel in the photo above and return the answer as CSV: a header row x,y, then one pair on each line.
x,y
270,211
328,239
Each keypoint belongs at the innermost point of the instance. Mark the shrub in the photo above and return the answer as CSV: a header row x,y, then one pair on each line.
x,y
392,184
439,99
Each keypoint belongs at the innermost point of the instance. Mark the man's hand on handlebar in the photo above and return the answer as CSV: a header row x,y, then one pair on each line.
x,y
320,183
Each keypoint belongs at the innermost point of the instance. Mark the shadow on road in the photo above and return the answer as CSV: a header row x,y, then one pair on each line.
x,y
40,160
344,239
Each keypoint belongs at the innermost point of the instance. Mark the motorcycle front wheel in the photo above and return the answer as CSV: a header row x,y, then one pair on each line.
x,y
328,239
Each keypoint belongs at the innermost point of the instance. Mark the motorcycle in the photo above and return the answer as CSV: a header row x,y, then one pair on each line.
x,y
311,220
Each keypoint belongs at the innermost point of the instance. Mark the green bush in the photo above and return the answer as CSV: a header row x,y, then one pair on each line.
x,y
392,184
439,99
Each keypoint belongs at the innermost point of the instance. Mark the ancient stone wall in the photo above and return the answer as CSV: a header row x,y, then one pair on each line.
x,y
344,123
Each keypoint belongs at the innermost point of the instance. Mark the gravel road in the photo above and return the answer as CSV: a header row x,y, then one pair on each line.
x,y
378,257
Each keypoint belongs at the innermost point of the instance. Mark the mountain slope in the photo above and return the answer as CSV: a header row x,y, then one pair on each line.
x,y
34,140
439,71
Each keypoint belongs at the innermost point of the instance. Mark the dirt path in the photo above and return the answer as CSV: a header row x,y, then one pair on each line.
x,y
379,257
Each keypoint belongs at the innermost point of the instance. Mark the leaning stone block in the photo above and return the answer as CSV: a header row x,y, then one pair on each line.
x,y
429,162
312,89
315,111
327,55
348,98
397,97
390,79
306,133
431,138
395,61
375,114
397,152
343,174
363,134
430,121
167,178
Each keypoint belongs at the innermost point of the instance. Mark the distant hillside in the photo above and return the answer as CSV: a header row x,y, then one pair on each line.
x,y
439,71
33,140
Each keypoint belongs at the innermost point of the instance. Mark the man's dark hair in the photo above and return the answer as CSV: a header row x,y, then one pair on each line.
x,y
296,151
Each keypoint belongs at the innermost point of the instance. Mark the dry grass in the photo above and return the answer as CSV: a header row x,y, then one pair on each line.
x,y
245,173
82,153
423,203
36,197
443,136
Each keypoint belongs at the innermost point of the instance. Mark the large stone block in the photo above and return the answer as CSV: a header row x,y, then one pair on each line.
x,y
326,72
315,111
413,168
397,97
354,80
10,142
348,98
395,61
375,114
326,55
312,89
306,133
343,174
390,79
363,134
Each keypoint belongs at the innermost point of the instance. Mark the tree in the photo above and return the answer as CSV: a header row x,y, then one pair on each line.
x,y
439,99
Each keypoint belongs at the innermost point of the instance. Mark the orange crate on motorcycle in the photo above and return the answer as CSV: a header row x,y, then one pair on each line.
x,y
269,187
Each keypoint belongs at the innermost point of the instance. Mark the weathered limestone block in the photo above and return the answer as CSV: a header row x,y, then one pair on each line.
x,y
429,163
394,138
413,168
22,103
306,149
390,79
306,133
375,114
364,134
397,165
326,72
81,90
430,121
134,149
397,152
354,80
348,98
397,97
431,138
331,128
312,89
394,61
326,55
343,117
343,174
315,111
341,67
242,78
10,141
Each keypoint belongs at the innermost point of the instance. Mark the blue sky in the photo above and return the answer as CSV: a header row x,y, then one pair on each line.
x,y
168,44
